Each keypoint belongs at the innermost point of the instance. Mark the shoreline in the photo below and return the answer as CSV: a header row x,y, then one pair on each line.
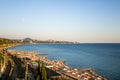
x,y
60,66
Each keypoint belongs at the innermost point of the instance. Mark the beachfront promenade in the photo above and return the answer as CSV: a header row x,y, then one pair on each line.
x,y
57,66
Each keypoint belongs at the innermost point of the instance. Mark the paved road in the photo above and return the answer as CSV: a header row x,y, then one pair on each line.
x,y
19,69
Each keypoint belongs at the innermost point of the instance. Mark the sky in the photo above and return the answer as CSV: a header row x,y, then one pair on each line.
x,y
85,21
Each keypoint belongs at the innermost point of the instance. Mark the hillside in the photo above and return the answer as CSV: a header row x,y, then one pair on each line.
x,y
5,41
27,39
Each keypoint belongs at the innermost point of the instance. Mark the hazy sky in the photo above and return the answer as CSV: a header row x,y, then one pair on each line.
x,y
71,20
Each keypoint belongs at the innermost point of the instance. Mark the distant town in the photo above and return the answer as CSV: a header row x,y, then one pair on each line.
x,y
34,41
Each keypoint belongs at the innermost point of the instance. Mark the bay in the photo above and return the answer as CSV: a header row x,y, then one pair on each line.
x,y
104,59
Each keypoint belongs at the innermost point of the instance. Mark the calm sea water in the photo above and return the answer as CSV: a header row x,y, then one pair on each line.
x,y
102,58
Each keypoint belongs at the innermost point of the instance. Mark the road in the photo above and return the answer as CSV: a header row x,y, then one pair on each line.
x,y
19,69
15,69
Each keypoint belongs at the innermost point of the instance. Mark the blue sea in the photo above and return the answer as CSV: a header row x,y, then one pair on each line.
x,y
104,59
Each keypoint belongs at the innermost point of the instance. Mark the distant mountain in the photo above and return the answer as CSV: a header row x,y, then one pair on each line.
x,y
27,39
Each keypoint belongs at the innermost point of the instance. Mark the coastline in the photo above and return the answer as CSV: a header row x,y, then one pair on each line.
x,y
59,66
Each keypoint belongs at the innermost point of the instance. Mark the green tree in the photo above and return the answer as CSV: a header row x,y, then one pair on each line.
x,y
44,77
41,75
38,77
1,58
